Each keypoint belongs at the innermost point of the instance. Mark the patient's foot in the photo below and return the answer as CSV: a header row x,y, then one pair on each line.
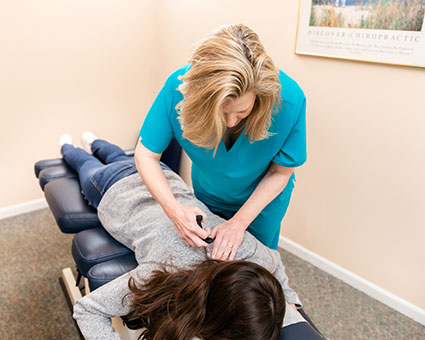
x,y
66,138
87,138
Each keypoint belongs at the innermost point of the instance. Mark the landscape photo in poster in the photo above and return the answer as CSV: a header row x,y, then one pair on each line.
x,y
385,31
399,15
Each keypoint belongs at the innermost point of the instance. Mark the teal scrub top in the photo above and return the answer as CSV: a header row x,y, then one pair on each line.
x,y
227,180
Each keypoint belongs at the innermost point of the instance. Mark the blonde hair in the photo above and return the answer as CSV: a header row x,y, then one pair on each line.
x,y
230,62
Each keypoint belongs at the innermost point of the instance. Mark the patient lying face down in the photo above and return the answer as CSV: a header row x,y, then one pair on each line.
x,y
176,291
211,300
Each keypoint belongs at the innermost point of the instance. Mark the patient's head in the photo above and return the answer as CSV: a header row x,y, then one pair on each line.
x,y
213,300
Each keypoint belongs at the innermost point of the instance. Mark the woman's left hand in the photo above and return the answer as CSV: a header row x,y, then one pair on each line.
x,y
228,237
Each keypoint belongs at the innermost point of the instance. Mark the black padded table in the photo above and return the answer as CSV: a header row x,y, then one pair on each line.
x,y
98,257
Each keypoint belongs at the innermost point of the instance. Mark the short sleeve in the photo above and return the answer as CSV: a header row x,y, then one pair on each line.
x,y
157,132
294,150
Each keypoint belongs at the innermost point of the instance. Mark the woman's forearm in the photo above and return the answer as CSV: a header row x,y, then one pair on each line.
x,y
229,234
267,190
147,164
183,217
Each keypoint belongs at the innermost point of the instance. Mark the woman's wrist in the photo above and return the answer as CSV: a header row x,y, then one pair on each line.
x,y
172,208
241,220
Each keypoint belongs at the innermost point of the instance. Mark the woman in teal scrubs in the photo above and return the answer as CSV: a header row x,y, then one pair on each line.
x,y
242,123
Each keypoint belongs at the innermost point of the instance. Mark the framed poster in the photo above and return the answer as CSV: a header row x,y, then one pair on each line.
x,y
382,31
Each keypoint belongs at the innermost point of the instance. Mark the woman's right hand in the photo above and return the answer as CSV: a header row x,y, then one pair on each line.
x,y
184,219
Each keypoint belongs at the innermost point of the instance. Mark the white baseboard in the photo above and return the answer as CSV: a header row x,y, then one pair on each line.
x,y
22,208
367,287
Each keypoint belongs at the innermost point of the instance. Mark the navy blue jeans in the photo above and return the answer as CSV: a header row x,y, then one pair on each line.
x,y
98,172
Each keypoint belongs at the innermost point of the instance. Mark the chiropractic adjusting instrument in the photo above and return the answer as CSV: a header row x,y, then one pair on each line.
x,y
209,240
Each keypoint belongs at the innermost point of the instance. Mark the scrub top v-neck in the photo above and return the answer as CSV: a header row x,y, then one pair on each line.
x,y
226,180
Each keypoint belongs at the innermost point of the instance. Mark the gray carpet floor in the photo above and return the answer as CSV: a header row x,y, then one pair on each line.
x,y
32,305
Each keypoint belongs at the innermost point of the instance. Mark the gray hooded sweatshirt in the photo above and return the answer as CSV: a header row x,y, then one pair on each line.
x,y
133,217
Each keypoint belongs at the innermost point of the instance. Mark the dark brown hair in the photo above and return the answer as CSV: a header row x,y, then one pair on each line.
x,y
214,300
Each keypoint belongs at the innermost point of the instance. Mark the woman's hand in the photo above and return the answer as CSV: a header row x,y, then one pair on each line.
x,y
184,219
228,237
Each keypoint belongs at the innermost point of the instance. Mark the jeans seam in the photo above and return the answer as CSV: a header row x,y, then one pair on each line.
x,y
95,184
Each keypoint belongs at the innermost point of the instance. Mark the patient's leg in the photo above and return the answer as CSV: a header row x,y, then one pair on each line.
x,y
79,160
85,165
108,153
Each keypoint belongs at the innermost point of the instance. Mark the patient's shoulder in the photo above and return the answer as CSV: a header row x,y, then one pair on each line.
x,y
253,250
248,247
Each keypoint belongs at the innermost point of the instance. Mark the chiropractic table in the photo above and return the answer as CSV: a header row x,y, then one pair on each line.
x,y
99,258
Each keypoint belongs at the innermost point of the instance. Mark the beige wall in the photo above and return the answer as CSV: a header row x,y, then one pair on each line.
x,y
358,201
68,66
